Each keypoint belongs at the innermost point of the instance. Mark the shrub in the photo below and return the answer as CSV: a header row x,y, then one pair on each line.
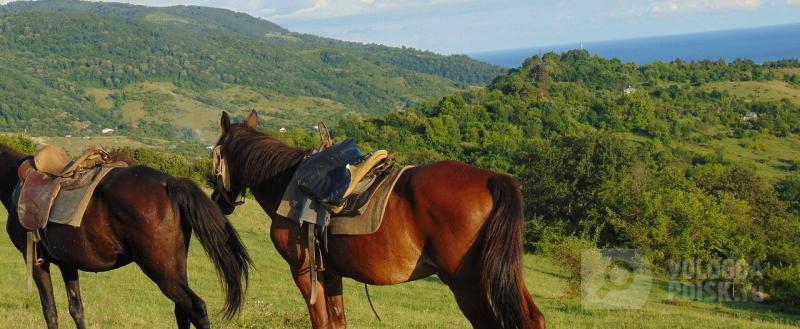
x,y
579,257
783,287
19,142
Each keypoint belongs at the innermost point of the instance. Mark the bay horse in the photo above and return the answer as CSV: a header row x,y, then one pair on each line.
x,y
448,218
141,215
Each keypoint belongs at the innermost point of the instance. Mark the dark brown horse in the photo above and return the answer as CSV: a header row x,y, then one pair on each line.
x,y
141,215
448,218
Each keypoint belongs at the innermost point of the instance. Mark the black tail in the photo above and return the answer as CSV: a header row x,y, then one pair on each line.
x,y
217,236
502,253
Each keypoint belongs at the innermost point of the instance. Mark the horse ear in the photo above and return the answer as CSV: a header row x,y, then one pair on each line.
x,y
225,122
252,119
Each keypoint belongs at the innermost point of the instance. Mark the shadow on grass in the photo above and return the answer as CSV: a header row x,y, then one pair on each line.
x,y
432,279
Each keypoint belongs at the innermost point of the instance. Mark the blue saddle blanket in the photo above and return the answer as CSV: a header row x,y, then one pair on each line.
x,y
324,176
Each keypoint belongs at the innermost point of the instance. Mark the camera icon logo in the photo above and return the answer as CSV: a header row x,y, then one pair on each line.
x,y
614,279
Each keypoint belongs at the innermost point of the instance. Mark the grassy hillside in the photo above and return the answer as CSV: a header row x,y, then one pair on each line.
x,y
125,298
77,67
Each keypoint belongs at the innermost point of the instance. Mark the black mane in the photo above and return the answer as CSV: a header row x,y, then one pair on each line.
x,y
258,157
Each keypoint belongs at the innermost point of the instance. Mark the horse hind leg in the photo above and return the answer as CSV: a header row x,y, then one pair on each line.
x,y
471,299
474,304
189,308
70,275
173,282
531,310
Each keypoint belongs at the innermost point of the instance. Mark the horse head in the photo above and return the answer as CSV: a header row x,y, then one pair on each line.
x,y
227,187
247,158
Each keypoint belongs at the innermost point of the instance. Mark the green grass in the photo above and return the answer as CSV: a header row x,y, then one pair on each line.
x,y
125,298
185,108
101,97
762,90
75,145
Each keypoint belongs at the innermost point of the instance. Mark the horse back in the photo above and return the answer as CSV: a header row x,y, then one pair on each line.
x,y
432,210
128,207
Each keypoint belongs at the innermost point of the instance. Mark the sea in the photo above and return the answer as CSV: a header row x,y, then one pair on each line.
x,y
759,44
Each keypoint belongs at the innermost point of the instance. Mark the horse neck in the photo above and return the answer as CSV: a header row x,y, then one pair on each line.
x,y
269,179
270,192
9,162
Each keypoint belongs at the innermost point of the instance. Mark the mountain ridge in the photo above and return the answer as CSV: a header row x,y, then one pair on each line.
x,y
175,68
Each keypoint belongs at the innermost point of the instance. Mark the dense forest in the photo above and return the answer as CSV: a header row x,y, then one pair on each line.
x,y
617,154
56,52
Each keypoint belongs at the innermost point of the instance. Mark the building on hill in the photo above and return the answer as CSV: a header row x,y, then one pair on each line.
x,y
750,116
629,90
107,131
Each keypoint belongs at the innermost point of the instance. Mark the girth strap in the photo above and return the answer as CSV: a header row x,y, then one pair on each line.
x,y
31,255
312,253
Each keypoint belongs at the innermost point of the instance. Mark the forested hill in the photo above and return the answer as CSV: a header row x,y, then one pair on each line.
x,y
146,70
684,161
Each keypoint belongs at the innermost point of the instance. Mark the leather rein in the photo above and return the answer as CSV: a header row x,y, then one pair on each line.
x,y
223,178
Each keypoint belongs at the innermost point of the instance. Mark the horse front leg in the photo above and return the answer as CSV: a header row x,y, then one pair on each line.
x,y
290,241
41,275
334,300
318,311
70,275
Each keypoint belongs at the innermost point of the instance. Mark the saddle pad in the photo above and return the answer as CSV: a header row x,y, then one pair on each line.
x,y
370,219
71,204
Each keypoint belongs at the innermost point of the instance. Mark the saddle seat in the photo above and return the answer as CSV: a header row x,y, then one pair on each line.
x,y
53,160
360,169
49,176
336,180
364,176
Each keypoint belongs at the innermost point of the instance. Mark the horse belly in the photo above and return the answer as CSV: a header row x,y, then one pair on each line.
x,y
71,246
391,255
375,266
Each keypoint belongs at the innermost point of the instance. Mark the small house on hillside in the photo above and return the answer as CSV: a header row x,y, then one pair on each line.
x,y
750,116
629,90
107,131
283,130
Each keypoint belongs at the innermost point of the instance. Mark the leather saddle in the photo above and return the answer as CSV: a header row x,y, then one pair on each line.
x,y
43,178
334,174
53,160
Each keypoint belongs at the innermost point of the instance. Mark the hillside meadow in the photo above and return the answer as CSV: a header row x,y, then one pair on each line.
x,y
125,298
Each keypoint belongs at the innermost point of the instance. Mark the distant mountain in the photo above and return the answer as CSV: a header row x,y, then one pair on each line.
x,y
73,67
760,44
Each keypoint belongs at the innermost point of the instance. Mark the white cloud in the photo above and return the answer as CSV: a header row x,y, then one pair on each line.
x,y
342,8
676,6
793,2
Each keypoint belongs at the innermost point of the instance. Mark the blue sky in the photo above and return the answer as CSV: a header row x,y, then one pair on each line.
x,y
463,26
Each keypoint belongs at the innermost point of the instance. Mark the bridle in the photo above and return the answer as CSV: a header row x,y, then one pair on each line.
x,y
224,178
